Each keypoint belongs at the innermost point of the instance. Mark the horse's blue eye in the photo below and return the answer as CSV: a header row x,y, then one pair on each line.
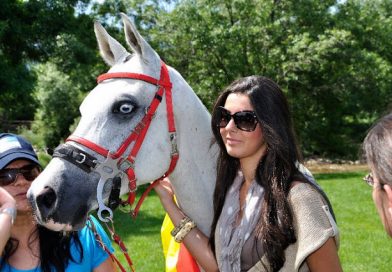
x,y
124,108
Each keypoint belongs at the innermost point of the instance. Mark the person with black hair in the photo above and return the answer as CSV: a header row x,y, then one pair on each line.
x,y
268,216
31,247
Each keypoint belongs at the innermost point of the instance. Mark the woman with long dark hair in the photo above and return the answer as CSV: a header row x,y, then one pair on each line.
x,y
267,215
31,247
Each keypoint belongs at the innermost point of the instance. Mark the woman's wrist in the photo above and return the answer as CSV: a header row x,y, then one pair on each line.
x,y
168,203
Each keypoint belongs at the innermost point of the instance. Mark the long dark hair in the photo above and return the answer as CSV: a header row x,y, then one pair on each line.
x,y
275,172
54,248
376,148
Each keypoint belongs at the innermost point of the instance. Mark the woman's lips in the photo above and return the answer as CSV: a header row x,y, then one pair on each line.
x,y
231,141
21,195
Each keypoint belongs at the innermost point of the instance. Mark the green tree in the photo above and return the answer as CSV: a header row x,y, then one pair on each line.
x,y
339,80
28,31
58,102
332,58
334,67
33,33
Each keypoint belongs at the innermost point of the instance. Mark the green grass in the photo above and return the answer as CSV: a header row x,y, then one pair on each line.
x,y
142,235
364,246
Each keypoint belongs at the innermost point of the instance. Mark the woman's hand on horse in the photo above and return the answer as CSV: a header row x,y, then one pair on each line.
x,y
165,191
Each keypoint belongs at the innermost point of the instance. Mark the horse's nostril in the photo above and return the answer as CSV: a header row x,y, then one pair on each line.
x,y
46,200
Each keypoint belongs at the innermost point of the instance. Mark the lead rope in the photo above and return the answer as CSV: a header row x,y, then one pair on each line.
x,y
116,238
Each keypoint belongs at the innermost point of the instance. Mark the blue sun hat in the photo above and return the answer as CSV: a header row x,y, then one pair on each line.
x,y
13,147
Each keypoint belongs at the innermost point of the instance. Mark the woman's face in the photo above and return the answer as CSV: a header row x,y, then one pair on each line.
x,y
381,201
244,145
20,186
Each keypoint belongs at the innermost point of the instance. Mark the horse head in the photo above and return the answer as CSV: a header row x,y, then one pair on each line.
x,y
133,125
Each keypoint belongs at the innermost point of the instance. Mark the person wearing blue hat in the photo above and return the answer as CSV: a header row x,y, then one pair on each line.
x,y
29,246
14,147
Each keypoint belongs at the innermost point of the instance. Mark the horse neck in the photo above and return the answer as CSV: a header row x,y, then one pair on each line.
x,y
194,177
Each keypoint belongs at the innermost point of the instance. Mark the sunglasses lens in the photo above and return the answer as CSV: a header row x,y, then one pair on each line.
x,y
6,178
245,121
222,117
31,174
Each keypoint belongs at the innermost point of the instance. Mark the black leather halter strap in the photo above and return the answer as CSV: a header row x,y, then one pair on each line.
x,y
74,155
87,163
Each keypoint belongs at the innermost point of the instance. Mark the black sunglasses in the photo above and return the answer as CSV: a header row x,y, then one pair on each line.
x,y
9,176
244,120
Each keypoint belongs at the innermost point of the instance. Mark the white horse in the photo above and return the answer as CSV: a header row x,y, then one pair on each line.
x,y
65,192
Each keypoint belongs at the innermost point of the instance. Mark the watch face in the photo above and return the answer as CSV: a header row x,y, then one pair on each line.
x,y
10,211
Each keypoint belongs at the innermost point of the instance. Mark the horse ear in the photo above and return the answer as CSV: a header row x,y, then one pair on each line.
x,y
134,39
111,50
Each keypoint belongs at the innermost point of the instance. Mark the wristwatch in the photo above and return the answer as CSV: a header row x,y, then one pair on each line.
x,y
11,211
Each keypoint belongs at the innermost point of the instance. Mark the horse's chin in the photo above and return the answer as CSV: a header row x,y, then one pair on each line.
x,y
58,226
65,227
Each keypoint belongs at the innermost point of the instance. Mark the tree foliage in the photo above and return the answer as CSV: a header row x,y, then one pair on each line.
x,y
335,69
33,33
332,58
58,103
27,35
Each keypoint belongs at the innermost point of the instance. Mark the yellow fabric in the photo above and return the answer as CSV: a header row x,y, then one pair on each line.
x,y
170,247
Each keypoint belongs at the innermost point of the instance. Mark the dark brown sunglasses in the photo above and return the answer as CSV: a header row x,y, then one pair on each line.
x,y
244,120
9,176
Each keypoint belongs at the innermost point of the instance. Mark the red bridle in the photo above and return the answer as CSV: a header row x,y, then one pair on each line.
x,y
119,163
126,163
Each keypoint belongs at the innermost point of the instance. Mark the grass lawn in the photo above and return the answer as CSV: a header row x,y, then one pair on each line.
x,y
364,246
142,235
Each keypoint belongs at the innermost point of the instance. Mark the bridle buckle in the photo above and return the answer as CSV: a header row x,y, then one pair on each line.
x,y
125,164
173,143
82,160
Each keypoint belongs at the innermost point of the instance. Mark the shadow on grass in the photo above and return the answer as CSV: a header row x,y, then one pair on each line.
x,y
341,175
